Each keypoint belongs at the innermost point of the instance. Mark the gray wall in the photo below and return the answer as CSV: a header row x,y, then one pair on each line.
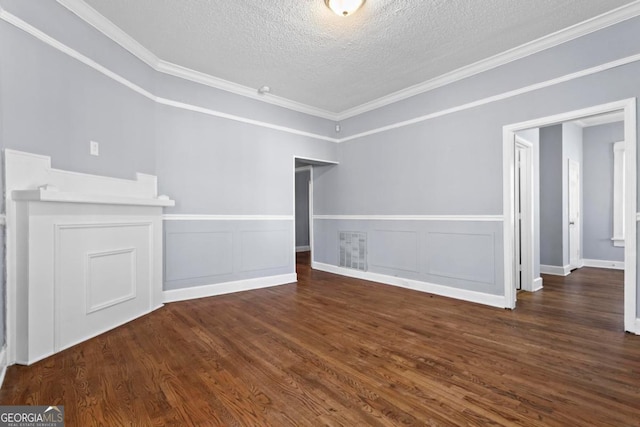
x,y
54,105
598,192
302,208
449,165
551,197
450,162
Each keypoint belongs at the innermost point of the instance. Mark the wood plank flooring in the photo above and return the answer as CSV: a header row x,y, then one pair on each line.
x,y
343,352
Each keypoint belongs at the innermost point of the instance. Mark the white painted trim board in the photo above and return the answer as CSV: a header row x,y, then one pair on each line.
x,y
597,263
303,248
578,74
479,218
555,270
3,365
194,292
431,288
198,217
110,30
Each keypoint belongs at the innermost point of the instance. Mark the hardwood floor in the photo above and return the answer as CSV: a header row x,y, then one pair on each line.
x,y
343,352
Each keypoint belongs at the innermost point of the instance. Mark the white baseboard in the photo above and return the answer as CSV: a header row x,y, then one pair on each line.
x,y
228,287
597,263
445,291
537,284
554,270
3,364
303,248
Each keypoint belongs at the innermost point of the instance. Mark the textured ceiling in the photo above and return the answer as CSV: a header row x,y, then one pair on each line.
x,y
307,54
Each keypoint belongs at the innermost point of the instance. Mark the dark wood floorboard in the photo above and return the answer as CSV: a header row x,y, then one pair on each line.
x,y
336,351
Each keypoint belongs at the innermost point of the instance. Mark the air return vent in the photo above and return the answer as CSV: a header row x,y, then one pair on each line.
x,y
353,250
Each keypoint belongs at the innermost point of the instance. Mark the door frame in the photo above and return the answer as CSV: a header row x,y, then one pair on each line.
x,y
577,227
310,162
527,232
628,106
309,202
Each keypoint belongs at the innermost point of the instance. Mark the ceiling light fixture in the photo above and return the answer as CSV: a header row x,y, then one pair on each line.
x,y
344,7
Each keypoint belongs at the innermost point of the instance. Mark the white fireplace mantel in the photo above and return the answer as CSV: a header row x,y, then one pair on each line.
x,y
84,254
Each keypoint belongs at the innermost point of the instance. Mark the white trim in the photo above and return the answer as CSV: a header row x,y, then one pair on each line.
x,y
499,97
546,42
112,31
474,218
19,23
228,287
3,365
106,27
198,217
8,17
303,248
303,168
630,255
216,113
445,291
598,263
555,270
537,285
636,329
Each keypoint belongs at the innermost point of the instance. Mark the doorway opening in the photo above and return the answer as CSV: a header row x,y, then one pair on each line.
x,y
521,211
303,173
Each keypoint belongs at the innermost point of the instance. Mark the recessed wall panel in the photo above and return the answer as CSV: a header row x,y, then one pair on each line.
x,y
464,256
193,254
265,249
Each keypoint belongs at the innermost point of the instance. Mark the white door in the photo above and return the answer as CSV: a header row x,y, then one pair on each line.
x,y
574,215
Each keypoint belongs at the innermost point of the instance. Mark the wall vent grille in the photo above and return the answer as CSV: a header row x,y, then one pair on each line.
x,y
353,250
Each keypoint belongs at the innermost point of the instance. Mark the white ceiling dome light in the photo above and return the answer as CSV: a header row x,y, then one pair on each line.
x,y
344,7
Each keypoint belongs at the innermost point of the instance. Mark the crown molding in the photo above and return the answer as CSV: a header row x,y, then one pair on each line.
x,y
217,83
102,24
584,28
116,34
109,29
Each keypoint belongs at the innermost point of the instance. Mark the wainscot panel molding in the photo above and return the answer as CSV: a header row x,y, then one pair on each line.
x,y
446,291
597,263
471,218
197,217
474,255
228,287
84,254
110,30
555,270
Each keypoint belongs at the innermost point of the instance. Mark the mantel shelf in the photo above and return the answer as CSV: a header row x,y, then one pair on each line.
x,y
41,195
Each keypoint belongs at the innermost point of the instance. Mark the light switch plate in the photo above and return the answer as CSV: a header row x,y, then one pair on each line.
x,y
94,148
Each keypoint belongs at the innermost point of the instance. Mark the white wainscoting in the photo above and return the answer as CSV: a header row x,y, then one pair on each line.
x,y
228,287
537,284
555,270
597,263
446,291
84,254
